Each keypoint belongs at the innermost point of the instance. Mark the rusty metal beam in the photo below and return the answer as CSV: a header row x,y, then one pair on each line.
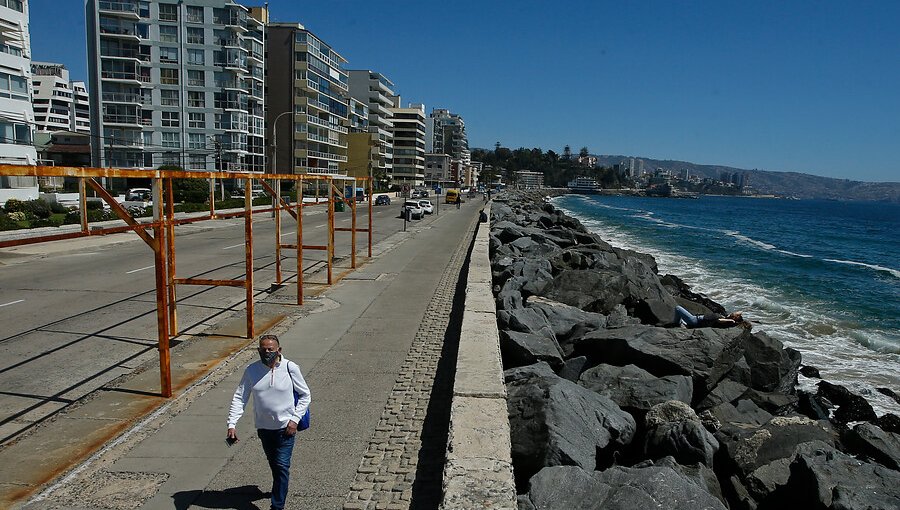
x,y
209,282
330,231
82,204
353,228
248,252
162,316
72,171
369,230
168,216
120,211
299,246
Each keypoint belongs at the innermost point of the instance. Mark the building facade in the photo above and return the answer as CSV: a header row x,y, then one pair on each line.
x,y
526,179
437,168
16,112
409,143
59,103
376,90
176,83
306,84
362,155
446,134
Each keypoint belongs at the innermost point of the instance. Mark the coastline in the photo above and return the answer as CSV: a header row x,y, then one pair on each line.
x,y
579,314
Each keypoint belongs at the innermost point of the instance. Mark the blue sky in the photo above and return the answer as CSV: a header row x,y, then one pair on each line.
x,y
788,86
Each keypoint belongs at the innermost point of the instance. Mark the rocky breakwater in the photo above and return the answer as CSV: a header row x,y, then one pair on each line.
x,y
612,407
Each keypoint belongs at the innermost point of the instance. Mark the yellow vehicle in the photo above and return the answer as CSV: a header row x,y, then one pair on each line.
x,y
452,195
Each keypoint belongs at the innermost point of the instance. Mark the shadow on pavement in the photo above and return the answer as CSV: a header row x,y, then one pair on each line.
x,y
238,498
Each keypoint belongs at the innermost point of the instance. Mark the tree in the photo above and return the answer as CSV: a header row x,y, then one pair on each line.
x,y
583,153
567,153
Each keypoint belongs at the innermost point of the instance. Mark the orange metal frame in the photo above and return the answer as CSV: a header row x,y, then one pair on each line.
x,y
162,239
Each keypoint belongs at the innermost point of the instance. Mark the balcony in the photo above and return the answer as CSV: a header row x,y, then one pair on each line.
x,y
124,33
122,120
231,42
122,97
233,21
231,84
120,8
301,153
122,77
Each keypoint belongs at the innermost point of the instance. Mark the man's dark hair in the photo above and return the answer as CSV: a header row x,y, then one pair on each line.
x,y
270,336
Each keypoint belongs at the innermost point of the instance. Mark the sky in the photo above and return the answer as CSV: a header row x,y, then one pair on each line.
x,y
804,86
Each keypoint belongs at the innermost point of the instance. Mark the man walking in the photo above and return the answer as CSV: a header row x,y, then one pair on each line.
x,y
272,382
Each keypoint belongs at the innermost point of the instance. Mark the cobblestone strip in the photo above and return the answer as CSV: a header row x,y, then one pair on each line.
x,y
387,472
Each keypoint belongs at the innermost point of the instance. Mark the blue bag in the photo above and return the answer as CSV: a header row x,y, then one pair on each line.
x,y
304,420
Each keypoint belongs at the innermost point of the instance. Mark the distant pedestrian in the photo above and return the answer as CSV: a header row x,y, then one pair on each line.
x,y
458,201
272,382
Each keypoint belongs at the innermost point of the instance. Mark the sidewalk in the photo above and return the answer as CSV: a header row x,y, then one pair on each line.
x,y
370,348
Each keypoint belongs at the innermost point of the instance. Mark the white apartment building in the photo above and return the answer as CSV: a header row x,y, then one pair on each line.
x,y
446,134
16,113
59,103
376,90
409,143
177,82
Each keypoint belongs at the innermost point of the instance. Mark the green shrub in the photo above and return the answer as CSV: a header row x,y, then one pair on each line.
x,y
18,216
94,205
39,208
190,190
57,208
52,221
14,205
7,223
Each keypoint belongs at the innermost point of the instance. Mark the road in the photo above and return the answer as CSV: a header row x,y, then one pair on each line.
x,y
77,314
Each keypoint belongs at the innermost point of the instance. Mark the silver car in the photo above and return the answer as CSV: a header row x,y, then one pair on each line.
x,y
415,210
426,206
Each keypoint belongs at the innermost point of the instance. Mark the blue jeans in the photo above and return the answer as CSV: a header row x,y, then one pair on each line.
x,y
683,315
278,448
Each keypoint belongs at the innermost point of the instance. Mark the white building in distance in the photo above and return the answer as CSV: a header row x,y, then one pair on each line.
x,y
59,103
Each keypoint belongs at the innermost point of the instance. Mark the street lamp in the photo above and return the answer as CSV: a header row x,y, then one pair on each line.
x,y
275,137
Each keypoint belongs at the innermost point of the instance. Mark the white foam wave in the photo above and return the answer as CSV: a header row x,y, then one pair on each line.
x,y
888,270
754,242
801,255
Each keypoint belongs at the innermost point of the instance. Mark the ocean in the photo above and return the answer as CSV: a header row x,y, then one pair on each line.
x,y
821,276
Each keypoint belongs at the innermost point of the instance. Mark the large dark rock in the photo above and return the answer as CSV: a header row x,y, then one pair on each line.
x,y
673,429
617,488
573,368
773,368
566,322
678,288
533,273
554,421
850,406
525,320
522,349
704,354
635,389
702,475
592,291
827,478
726,391
745,414
780,404
870,441
889,423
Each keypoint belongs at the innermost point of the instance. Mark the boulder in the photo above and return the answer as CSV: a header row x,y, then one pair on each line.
x,y
764,482
525,320
619,318
704,354
773,368
566,322
522,349
573,367
533,274
773,402
889,423
590,290
878,445
746,414
850,406
617,488
674,429
702,475
658,312
810,372
827,478
725,392
679,289
635,389
748,449
554,421
890,393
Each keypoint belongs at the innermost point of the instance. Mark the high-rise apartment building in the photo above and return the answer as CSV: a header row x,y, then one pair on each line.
x,y
376,90
409,143
446,134
307,87
59,103
176,82
16,113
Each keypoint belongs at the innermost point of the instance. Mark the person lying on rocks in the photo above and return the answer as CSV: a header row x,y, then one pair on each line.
x,y
709,320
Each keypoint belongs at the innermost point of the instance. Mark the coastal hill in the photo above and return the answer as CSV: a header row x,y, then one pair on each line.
x,y
794,184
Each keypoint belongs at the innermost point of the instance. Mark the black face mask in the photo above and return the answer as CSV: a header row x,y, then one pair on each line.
x,y
268,358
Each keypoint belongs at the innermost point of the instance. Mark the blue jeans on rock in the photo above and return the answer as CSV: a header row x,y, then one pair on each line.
x,y
689,319
278,448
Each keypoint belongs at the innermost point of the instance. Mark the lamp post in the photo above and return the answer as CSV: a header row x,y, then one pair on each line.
x,y
275,138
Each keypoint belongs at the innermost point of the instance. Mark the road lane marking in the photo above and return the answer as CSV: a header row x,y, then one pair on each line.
x,y
141,269
289,233
12,302
233,246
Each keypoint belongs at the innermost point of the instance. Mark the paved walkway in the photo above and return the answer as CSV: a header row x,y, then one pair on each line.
x,y
374,354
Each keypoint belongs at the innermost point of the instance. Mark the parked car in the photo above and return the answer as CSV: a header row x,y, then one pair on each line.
x,y
415,210
383,200
426,206
415,194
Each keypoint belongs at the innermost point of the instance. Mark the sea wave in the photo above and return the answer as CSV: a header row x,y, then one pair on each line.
x,y
892,272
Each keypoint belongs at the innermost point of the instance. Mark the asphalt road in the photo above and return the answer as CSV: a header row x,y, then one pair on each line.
x,y
77,314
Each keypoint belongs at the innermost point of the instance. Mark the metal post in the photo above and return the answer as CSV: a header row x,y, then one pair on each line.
x,y
82,204
170,257
162,326
212,197
330,251
248,252
371,195
276,210
353,228
300,241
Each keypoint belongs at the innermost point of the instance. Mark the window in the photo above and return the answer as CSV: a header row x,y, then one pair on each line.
x,y
196,99
197,162
170,140
194,35
196,78
168,97
168,76
194,14
14,87
169,55
16,5
168,12
168,34
197,120
15,133
196,141
170,119
196,57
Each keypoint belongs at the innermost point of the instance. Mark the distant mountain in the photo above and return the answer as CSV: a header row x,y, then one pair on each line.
x,y
779,183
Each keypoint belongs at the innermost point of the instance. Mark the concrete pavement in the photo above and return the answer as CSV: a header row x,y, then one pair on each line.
x,y
373,351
